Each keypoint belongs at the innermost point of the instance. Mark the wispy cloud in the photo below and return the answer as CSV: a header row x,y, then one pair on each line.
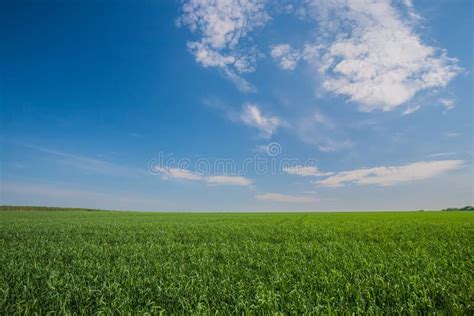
x,y
411,10
252,116
305,171
212,180
285,198
441,155
315,129
447,103
411,109
320,130
391,175
178,173
228,180
321,119
87,163
241,84
223,108
452,134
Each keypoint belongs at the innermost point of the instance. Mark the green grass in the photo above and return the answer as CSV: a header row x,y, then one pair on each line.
x,y
92,261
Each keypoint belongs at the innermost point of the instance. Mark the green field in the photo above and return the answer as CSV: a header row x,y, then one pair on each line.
x,y
98,261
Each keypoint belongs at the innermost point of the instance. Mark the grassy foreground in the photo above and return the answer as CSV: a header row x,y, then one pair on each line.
x,y
93,261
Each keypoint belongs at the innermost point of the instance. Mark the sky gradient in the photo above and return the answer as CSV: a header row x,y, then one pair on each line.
x,y
237,105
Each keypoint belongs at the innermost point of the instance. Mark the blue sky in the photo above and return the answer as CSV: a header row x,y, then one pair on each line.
x,y
158,105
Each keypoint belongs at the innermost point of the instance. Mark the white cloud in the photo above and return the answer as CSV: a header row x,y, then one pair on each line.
x,y
305,171
381,62
391,175
367,51
252,116
411,10
441,155
222,26
188,175
177,173
286,56
447,103
228,180
411,109
284,198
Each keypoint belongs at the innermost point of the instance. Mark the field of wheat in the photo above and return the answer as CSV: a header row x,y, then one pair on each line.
x,y
99,261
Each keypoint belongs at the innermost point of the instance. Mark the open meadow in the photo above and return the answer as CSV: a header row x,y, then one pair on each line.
x,y
99,261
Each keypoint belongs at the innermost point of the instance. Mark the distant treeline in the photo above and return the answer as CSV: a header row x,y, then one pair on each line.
x,y
50,208
465,208
42,208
